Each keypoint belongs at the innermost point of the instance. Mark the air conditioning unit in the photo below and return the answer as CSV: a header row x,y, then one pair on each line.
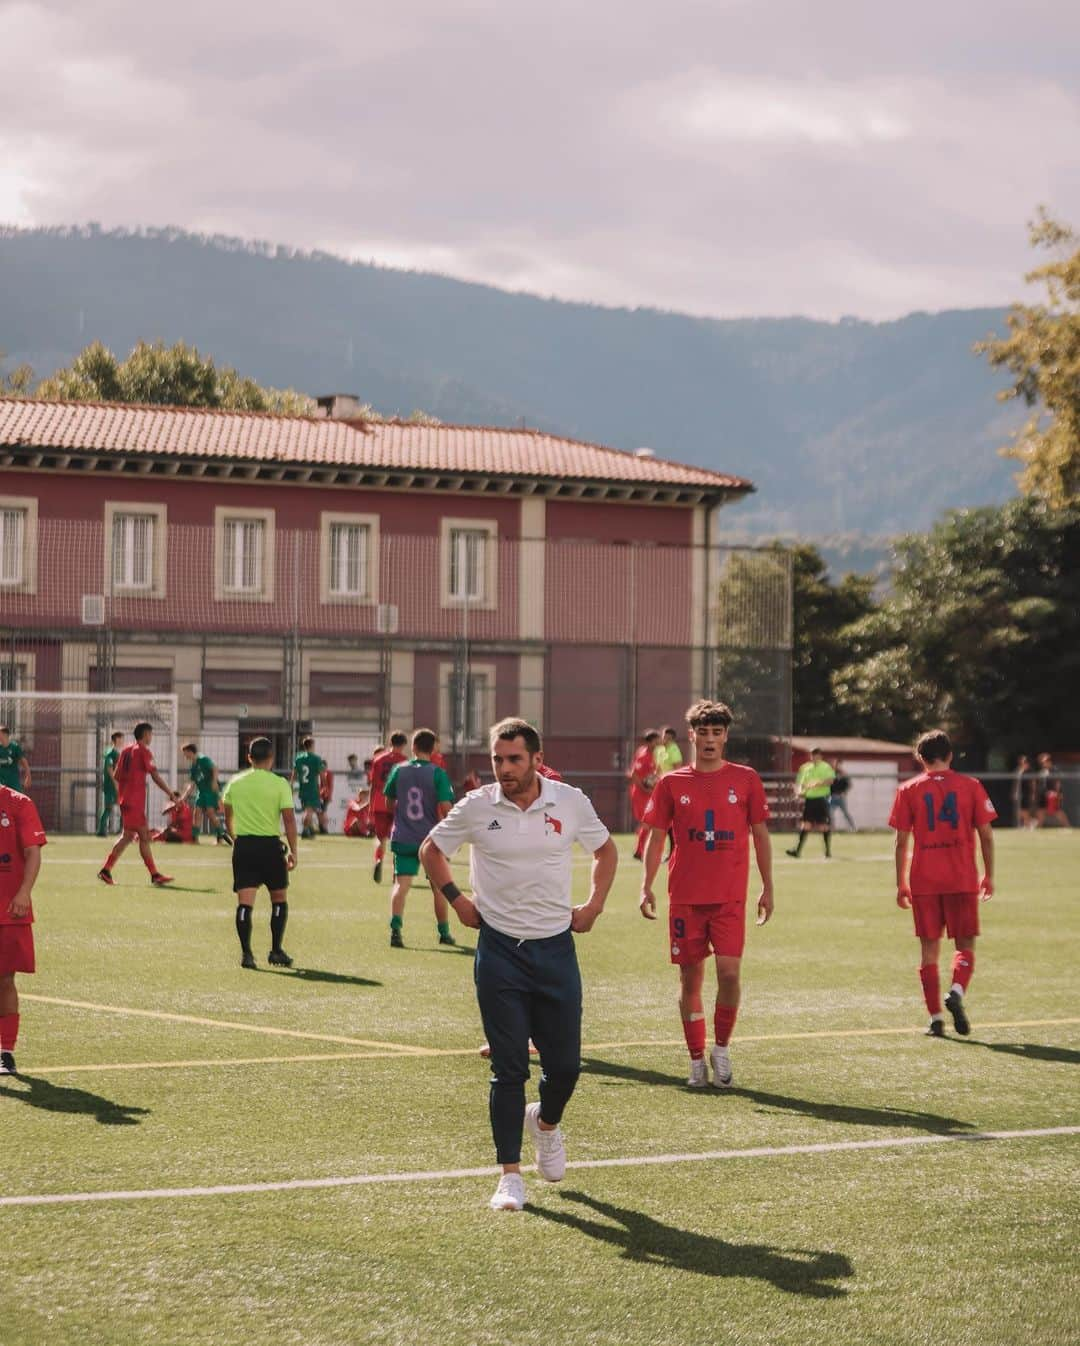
x,y
93,609
386,619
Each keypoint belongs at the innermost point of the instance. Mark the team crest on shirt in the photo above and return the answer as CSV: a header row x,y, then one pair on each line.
x,y
5,821
732,798
552,826
674,951
684,799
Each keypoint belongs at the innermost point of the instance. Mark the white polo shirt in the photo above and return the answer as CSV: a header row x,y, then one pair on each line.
x,y
520,864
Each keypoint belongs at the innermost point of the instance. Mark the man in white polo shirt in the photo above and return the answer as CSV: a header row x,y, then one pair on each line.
x,y
522,830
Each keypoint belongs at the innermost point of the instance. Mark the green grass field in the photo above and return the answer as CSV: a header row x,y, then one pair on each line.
x,y
937,1241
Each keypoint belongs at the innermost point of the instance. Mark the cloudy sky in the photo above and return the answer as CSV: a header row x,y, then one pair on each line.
x,y
723,157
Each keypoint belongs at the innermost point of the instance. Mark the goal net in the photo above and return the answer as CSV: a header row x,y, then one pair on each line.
x,y
65,736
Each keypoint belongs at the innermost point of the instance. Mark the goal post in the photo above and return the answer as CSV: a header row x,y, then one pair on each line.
x,y
65,736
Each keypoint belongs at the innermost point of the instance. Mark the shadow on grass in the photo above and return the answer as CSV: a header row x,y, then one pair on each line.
x,y
799,1271
317,974
58,1098
1029,1051
826,1112
438,948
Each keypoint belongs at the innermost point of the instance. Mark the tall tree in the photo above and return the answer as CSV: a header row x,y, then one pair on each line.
x,y
980,633
1042,352
163,375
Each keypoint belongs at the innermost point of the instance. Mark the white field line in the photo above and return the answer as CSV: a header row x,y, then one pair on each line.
x,y
441,1175
392,1051
402,1048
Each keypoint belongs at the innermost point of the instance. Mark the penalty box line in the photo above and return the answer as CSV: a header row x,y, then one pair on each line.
x,y
442,1175
398,1052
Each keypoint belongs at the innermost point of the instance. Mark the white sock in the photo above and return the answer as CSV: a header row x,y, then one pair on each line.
x,y
957,989
938,1018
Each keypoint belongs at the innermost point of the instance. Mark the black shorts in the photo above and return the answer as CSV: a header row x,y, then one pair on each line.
x,y
816,811
257,861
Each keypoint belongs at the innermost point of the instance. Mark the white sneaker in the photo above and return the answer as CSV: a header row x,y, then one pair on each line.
x,y
510,1193
550,1147
721,1067
699,1075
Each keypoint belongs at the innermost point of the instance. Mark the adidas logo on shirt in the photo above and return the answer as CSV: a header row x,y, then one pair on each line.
x,y
494,825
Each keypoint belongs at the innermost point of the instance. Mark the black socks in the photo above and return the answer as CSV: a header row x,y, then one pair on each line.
x,y
279,916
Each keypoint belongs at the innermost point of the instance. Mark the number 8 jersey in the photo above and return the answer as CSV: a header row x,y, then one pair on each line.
x,y
943,809
417,788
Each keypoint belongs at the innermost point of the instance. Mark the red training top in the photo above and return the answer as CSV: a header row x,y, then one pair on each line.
x,y
20,827
710,814
942,809
549,771
380,771
134,764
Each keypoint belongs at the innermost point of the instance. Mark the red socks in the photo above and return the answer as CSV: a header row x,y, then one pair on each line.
x,y
724,1023
963,965
9,1032
931,987
694,1031
111,859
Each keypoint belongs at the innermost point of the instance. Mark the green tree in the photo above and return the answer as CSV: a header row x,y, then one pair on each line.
x,y
1042,352
163,375
980,633
15,382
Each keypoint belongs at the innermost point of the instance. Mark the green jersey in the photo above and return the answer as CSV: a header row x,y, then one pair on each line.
x,y
9,766
668,757
308,767
817,777
201,772
258,798
108,764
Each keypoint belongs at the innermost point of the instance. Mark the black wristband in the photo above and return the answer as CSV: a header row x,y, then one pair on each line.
x,y
450,891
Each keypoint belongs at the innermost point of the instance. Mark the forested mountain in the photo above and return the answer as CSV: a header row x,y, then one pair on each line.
x,y
846,428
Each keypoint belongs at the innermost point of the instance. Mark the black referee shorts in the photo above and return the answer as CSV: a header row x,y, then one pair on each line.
x,y
257,861
815,812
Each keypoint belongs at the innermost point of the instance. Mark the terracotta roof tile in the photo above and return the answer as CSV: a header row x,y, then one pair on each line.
x,y
195,432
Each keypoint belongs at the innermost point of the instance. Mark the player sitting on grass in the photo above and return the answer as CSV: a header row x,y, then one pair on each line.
x,y
712,810
943,811
19,866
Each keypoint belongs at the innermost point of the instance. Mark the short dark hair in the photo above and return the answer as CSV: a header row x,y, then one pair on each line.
x,y
933,746
307,741
649,735
817,752
4,729
514,728
398,739
669,729
423,740
116,734
368,761
141,729
189,747
709,712
352,757
260,750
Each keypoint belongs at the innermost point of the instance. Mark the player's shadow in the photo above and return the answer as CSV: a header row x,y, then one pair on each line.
x,y
315,974
807,1107
798,1271
1029,1051
51,1097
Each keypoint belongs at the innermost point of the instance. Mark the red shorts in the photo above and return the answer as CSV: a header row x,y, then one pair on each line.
x,y
133,817
957,913
16,949
383,823
698,929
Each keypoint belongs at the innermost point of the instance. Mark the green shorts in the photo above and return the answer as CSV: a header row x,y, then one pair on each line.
x,y
310,800
108,798
207,799
406,859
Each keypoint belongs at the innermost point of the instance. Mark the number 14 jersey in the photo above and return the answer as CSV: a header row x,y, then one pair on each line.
x,y
943,809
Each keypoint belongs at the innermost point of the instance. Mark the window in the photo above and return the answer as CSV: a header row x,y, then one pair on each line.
x,y
469,703
18,543
135,549
470,549
349,560
244,554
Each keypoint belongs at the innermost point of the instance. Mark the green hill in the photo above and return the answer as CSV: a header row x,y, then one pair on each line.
x,y
851,428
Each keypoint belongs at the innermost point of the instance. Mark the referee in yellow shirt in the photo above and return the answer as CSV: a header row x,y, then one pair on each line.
x,y
256,804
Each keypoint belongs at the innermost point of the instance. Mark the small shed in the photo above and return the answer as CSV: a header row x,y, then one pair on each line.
x,y
875,766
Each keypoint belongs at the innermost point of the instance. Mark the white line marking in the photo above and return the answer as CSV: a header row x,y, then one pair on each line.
x,y
439,1175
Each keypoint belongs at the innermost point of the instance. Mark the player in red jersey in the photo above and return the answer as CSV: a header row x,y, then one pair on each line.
x,y
135,763
382,812
21,839
642,776
944,811
713,809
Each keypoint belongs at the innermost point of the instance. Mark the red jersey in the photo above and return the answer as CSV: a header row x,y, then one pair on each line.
x,y
548,772
20,827
380,771
942,809
710,814
134,764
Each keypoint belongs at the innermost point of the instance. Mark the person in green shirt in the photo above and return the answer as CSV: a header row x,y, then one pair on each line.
x,y
813,785
257,804
207,791
308,774
421,795
14,768
108,784
667,753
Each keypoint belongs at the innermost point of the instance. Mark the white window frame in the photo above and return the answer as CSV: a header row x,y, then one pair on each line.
x,y
328,520
118,509
27,581
489,599
484,708
20,717
223,515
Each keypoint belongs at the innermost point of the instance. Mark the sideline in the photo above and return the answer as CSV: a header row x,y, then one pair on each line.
x,y
639,1161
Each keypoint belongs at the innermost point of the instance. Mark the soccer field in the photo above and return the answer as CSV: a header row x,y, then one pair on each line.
x,y
845,1191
